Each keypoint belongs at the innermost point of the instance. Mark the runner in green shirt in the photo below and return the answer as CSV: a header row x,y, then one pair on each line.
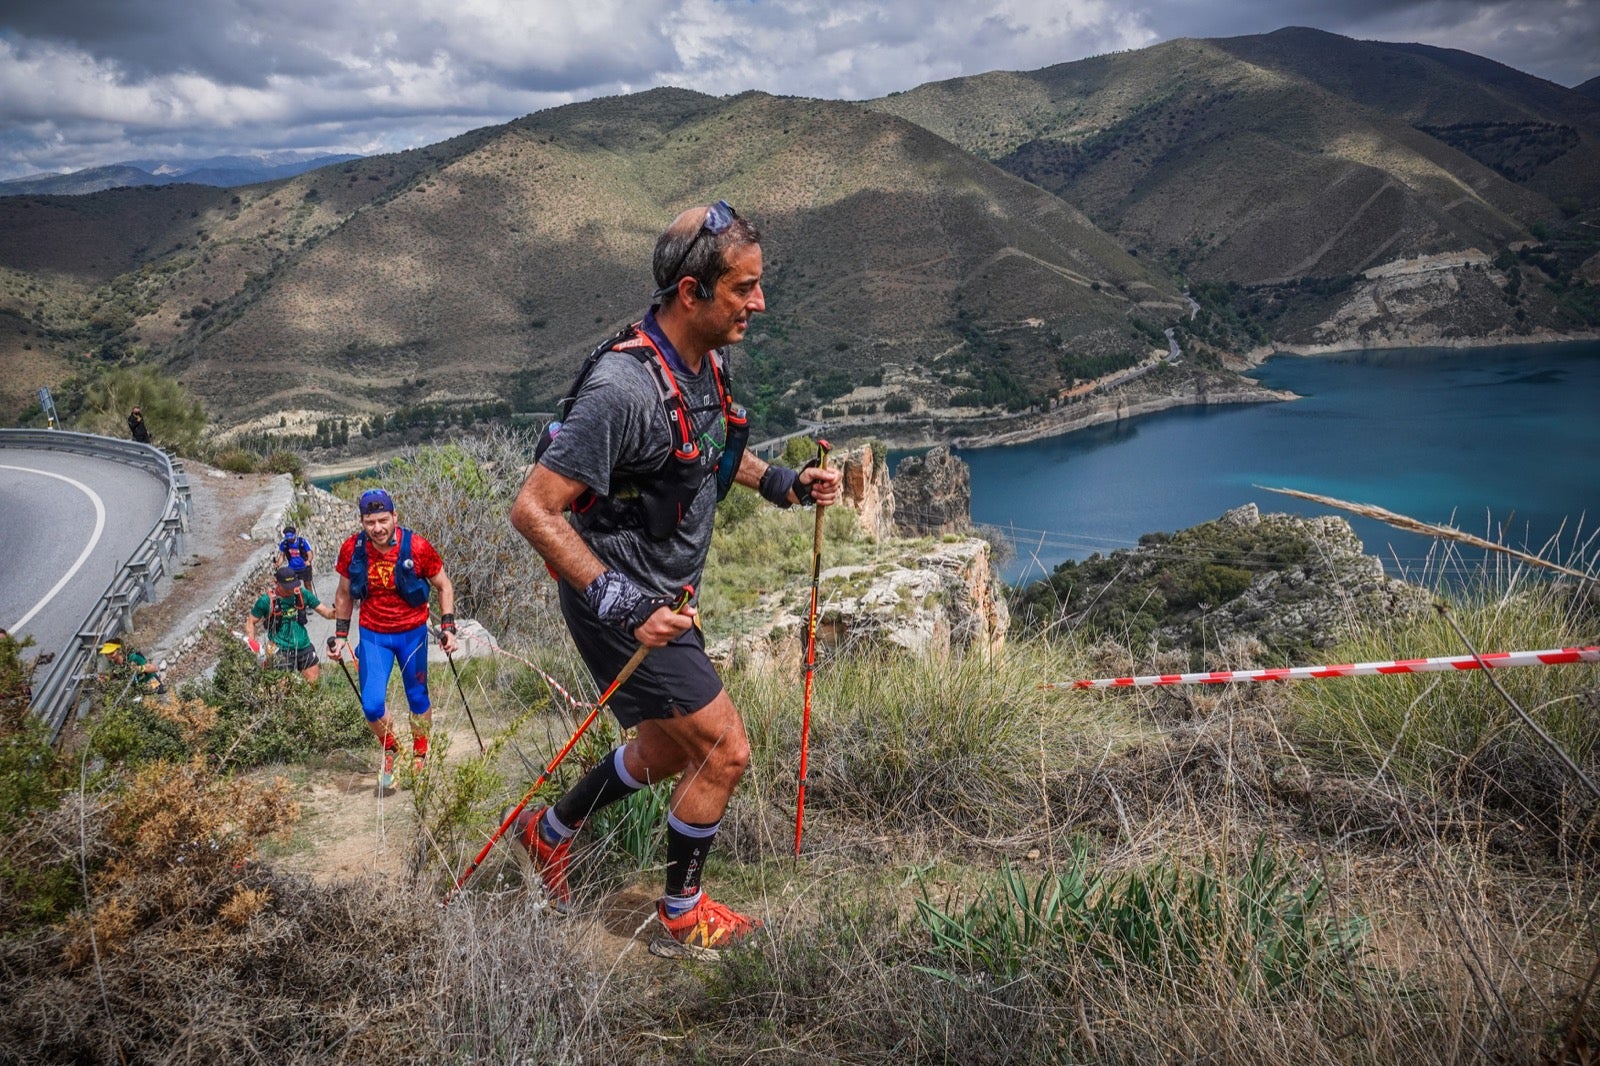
x,y
284,612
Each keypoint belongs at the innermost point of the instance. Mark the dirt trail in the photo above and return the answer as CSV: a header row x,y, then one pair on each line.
x,y
346,830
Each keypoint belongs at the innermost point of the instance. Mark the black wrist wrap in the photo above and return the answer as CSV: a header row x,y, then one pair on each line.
x,y
776,483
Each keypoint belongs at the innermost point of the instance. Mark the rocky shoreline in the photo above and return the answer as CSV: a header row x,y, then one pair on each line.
x,y
1194,387
1257,356
1146,396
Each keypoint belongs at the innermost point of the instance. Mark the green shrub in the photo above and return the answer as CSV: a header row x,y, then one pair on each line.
x,y
236,461
131,730
29,771
101,405
284,462
266,716
1169,924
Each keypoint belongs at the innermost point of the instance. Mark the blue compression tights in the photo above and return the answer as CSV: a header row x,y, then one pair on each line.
x,y
377,654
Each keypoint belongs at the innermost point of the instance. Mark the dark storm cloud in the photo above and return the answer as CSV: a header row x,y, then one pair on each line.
x,y
1554,39
84,82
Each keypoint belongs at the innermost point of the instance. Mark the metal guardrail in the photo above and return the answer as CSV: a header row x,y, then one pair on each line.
x,y
112,614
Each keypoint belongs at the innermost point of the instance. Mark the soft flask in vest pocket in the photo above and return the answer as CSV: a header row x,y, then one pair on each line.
x,y
738,424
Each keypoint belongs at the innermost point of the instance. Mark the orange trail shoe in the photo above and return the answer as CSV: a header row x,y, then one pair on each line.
x,y
702,931
550,860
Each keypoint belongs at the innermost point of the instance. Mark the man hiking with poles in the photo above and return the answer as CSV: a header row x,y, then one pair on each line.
x,y
648,441
296,552
390,571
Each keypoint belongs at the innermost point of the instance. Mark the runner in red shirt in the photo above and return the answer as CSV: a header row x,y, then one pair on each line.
x,y
392,578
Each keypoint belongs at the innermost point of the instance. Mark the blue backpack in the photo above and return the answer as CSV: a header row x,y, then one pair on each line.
x,y
412,586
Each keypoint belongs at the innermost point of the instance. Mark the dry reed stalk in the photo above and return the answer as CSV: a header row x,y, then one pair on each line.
x,y
1428,529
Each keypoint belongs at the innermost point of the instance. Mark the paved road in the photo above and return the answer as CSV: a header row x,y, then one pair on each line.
x,y
67,524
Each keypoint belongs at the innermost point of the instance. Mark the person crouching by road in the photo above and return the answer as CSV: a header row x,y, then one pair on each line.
x,y
125,662
391,571
643,453
284,612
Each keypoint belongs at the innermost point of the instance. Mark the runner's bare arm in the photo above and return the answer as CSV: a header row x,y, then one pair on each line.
x,y
343,606
538,514
824,483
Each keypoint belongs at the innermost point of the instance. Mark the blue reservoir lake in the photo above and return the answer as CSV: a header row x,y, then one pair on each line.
x,y
1500,442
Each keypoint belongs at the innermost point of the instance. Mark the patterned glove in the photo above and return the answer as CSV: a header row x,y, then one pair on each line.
x,y
619,602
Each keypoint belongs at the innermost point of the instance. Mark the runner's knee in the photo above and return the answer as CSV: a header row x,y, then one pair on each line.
x,y
728,761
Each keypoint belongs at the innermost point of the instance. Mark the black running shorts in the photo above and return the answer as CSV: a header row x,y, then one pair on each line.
x,y
673,680
296,659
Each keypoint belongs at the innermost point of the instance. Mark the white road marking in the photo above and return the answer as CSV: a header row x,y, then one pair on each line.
x,y
83,557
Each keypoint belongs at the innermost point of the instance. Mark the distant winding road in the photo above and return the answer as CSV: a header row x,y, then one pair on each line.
x,y
67,524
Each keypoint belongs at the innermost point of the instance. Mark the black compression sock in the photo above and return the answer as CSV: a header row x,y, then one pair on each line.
x,y
600,787
687,845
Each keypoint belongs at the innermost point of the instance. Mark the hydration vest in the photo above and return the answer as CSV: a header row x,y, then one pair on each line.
x,y
657,501
294,550
412,586
275,610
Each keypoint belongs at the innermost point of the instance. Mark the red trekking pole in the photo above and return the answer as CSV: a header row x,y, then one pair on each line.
x,y
622,676
811,658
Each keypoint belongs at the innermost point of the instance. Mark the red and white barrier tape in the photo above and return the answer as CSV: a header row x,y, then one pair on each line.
x,y
1494,660
552,682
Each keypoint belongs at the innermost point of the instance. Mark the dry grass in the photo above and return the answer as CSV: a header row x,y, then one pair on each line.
x,y
1466,883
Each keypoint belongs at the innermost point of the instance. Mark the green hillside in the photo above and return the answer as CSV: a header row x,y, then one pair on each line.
x,y
966,247
481,270
1231,158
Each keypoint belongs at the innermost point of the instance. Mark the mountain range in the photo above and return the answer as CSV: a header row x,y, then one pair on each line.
x,y
224,171
959,249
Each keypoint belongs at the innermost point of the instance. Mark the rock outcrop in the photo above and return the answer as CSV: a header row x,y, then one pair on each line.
x,y
933,494
920,595
1314,603
1277,582
939,599
868,489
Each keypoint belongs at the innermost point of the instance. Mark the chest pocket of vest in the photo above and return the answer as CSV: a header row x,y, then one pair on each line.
x,y
412,586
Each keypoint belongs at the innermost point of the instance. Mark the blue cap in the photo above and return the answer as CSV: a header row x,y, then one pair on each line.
x,y
375,500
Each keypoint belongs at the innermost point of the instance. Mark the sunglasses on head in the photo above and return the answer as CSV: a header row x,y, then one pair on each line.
x,y
374,501
719,216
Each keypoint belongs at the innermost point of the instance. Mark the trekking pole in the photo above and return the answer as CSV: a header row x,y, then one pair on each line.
x,y
811,659
622,676
340,660
462,692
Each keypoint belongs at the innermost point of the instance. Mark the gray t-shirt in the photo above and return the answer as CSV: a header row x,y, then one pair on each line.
x,y
616,437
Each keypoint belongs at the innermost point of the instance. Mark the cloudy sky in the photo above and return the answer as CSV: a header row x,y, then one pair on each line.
x,y
88,82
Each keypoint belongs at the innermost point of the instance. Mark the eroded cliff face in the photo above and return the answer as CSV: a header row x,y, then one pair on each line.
x,y
938,598
868,489
946,599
